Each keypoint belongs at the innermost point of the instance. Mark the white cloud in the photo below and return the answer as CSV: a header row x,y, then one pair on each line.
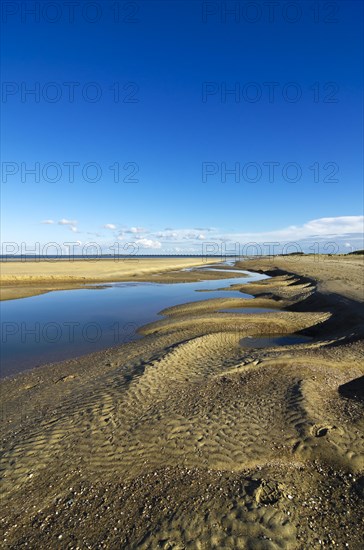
x,y
180,235
320,228
110,226
167,234
135,230
148,243
71,224
64,221
335,226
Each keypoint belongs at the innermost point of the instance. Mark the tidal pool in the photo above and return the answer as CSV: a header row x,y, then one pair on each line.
x,y
63,324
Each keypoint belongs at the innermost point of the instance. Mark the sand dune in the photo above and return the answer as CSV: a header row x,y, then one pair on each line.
x,y
188,439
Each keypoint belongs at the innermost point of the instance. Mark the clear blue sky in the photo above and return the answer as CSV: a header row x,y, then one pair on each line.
x,y
168,123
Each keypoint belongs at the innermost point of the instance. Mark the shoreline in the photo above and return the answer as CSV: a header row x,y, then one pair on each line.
x,y
186,411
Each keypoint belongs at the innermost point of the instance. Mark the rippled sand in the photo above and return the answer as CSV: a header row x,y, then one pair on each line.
x,y
186,439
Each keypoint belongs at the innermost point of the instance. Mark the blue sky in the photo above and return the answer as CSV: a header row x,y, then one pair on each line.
x,y
146,92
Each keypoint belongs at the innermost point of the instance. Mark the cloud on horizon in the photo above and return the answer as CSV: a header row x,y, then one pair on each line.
x,y
319,228
71,224
148,243
64,221
345,231
135,230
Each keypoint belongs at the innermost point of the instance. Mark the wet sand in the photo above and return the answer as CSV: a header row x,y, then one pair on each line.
x,y
186,439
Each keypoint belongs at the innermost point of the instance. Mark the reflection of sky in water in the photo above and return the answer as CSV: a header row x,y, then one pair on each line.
x,y
67,323
273,340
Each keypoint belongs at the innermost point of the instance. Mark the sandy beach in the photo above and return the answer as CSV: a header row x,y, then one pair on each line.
x,y
190,437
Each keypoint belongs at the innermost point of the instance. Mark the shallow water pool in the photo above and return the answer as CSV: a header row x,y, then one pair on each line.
x,y
272,340
63,324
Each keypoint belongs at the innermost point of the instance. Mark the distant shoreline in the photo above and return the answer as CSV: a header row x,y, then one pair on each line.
x,y
71,257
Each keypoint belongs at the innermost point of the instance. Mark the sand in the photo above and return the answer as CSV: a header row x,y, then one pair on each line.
x,y
21,279
186,439
343,275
